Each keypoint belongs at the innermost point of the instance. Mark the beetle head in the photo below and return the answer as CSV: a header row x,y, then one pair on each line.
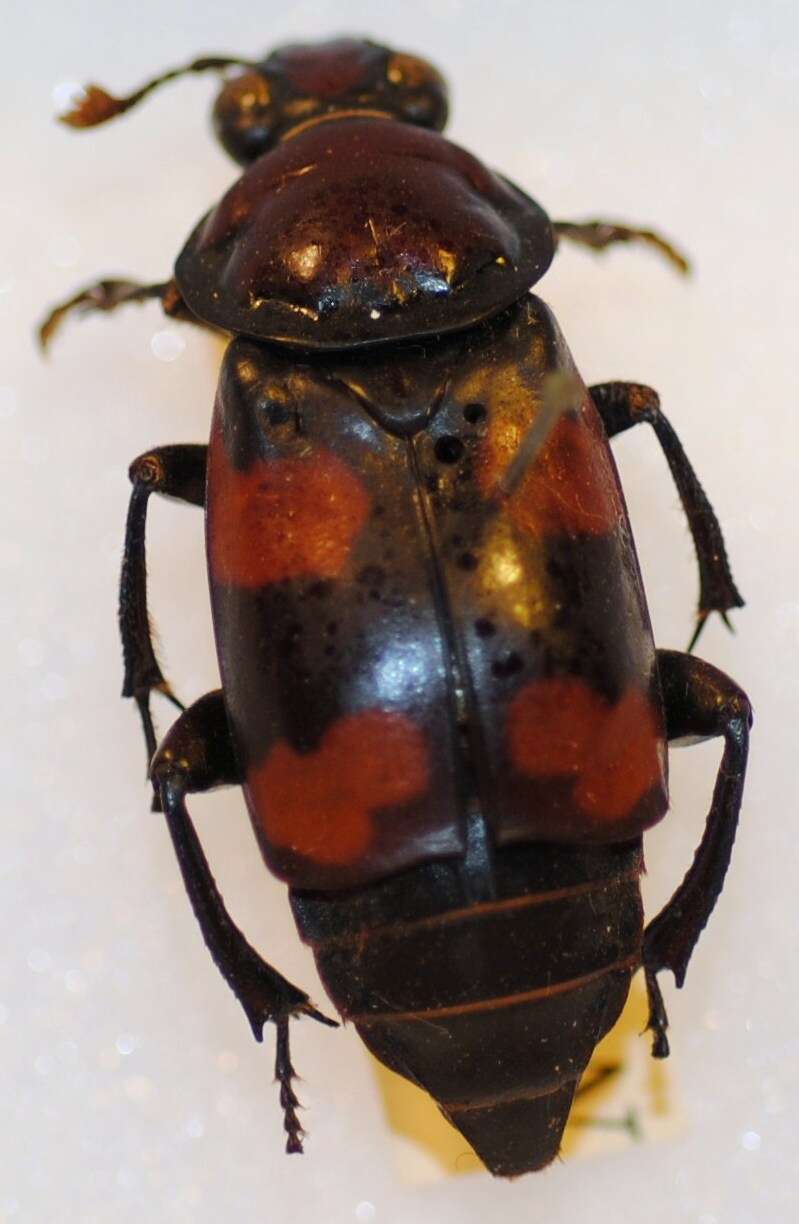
x,y
305,83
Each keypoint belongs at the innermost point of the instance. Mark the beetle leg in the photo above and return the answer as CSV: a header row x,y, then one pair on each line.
x,y
622,405
601,234
105,295
196,755
700,703
175,471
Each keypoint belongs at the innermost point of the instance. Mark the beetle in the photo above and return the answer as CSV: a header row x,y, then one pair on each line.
x,y
440,691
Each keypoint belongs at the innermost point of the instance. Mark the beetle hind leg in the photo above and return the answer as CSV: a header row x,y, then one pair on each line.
x,y
700,703
197,755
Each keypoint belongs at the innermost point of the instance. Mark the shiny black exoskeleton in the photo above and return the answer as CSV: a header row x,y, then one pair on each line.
x,y
440,691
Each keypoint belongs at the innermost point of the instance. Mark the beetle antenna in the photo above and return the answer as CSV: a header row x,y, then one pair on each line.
x,y
96,105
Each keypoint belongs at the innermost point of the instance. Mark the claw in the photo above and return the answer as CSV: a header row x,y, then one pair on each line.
x,y
702,619
308,1009
166,688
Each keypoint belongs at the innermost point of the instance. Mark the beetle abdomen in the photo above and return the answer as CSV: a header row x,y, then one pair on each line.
x,y
493,1007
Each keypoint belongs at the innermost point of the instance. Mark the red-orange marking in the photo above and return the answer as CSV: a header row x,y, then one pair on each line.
x,y
320,804
570,488
283,518
561,727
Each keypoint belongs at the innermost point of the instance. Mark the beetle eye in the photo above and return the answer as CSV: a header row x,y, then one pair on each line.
x,y
244,116
409,71
421,95
245,93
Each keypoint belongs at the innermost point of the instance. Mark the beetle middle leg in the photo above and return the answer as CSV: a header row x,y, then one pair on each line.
x,y
598,235
174,471
196,755
106,295
622,405
701,703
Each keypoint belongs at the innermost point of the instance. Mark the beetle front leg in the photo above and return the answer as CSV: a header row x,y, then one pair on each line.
x,y
105,295
174,471
197,755
622,405
700,703
598,235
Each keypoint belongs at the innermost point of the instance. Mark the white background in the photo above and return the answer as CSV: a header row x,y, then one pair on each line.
x,y
131,1088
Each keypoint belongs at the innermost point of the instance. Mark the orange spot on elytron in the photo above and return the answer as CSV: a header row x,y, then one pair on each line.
x,y
283,518
626,759
562,727
320,804
569,489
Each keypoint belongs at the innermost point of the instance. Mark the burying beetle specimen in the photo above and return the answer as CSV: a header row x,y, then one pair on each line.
x,y
440,691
